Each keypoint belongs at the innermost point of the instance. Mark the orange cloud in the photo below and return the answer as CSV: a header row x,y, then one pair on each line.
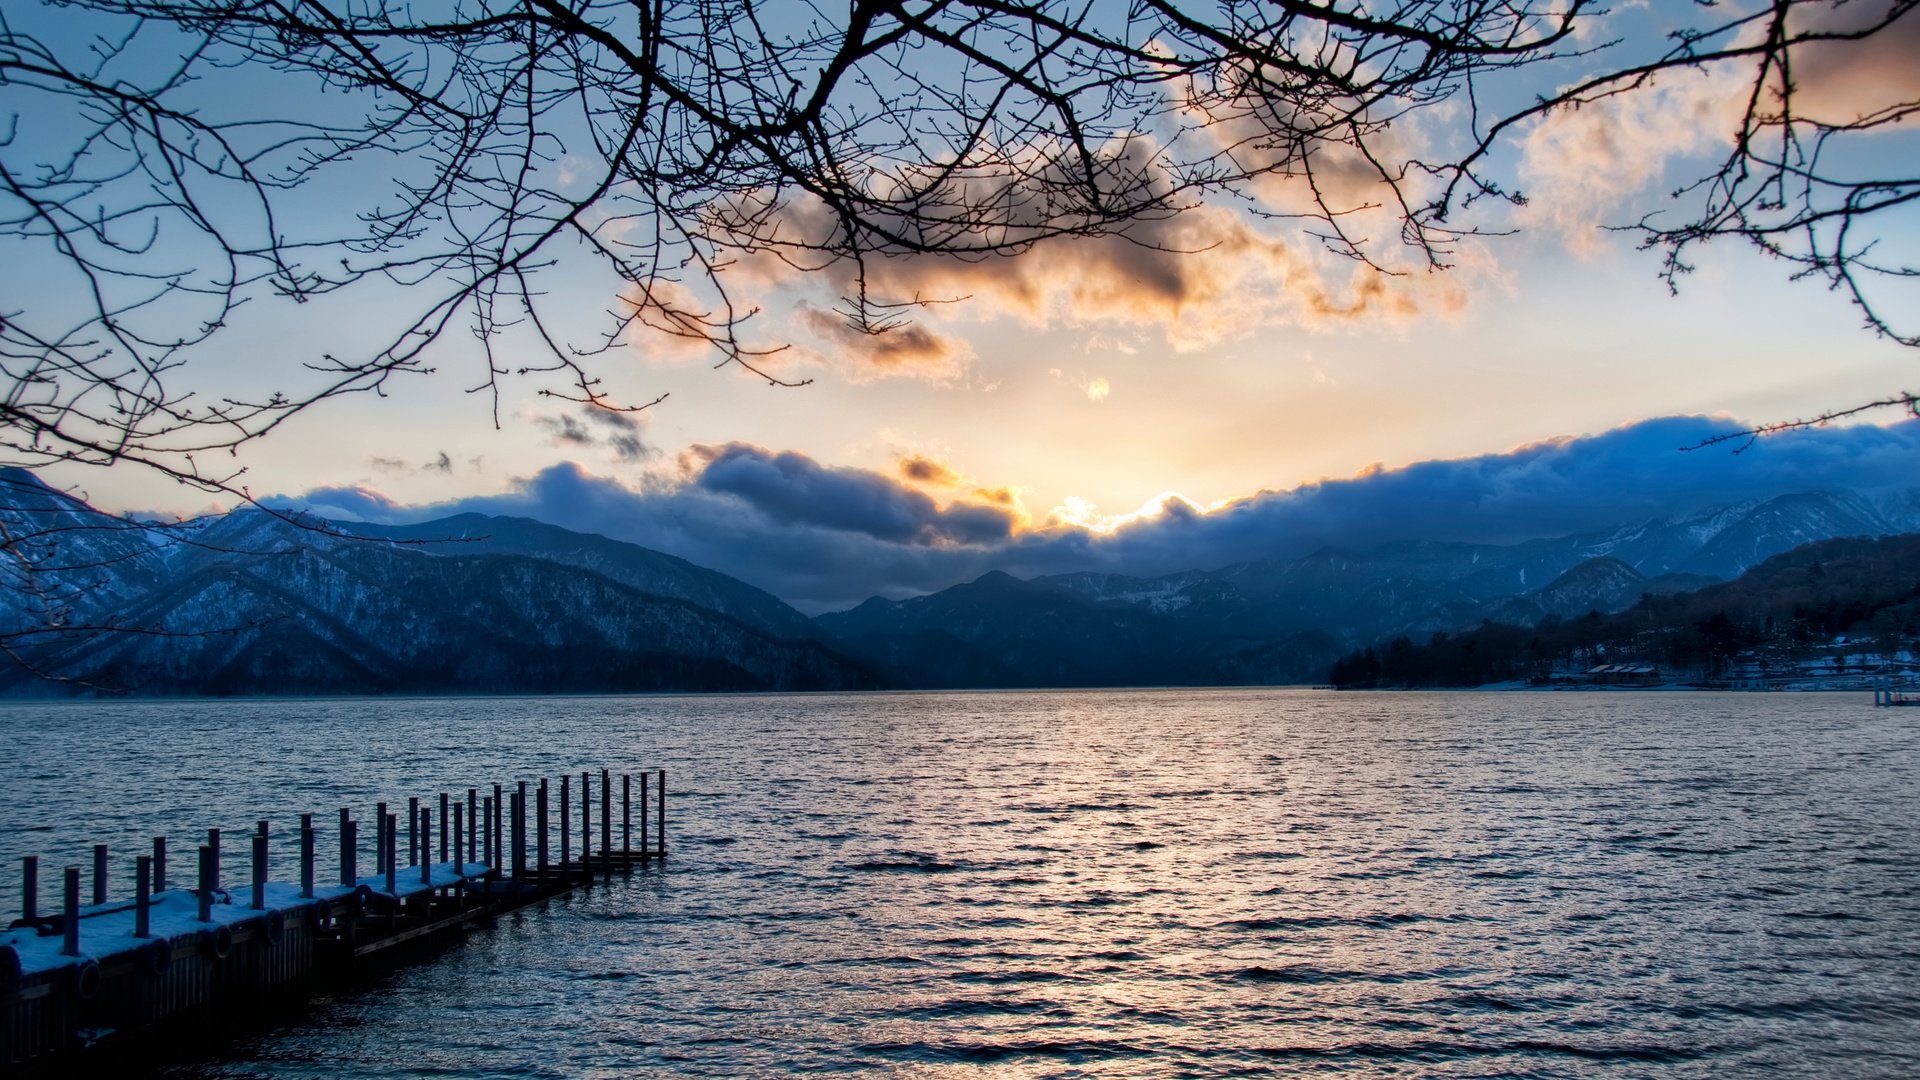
x,y
910,348
924,470
1874,79
1199,276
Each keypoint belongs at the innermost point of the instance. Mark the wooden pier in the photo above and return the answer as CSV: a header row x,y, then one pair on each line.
x,y
1888,694
99,972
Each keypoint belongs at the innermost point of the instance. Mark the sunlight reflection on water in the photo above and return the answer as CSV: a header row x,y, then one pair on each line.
x,y
1104,884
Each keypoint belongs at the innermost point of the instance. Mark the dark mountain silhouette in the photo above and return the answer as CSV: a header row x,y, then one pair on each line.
x,y
252,604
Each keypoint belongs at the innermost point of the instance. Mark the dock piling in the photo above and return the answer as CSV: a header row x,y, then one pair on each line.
x,y
260,868
586,821
643,813
208,875
473,825
306,856
30,887
496,823
213,845
566,818
540,829
99,873
159,864
415,852
142,896
392,854
380,838
426,843
70,914
606,819
662,830
520,832
626,811
486,849
349,848
443,819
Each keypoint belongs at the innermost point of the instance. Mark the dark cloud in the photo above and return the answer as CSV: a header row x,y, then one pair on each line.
x,y
565,430
924,470
612,429
824,536
794,489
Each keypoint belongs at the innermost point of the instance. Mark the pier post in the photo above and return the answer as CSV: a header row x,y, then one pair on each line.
x,y
626,815
380,838
393,829
348,848
495,823
540,829
520,832
644,849
426,843
213,845
159,864
443,829
662,830
606,819
473,825
414,843
260,868
30,887
70,915
459,827
142,896
486,848
99,873
586,822
208,875
566,820
306,856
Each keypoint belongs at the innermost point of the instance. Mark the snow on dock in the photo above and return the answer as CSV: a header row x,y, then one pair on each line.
x,y
103,973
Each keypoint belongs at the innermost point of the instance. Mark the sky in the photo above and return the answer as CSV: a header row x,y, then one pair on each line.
x,y
1276,398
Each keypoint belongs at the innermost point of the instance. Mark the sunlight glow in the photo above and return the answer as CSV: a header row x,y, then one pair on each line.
x,y
1080,513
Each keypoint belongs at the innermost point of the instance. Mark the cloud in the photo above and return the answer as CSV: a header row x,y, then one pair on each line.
x,y
614,430
794,489
921,469
1546,489
1581,165
906,348
1843,82
1199,278
824,536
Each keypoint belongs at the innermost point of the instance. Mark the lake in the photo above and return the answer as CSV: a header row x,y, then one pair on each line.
x,y
1129,883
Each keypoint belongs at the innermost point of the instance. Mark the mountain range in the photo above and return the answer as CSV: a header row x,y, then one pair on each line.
x,y
255,602
1287,620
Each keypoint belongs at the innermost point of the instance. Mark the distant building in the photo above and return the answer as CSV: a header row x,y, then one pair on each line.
x,y
1623,675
